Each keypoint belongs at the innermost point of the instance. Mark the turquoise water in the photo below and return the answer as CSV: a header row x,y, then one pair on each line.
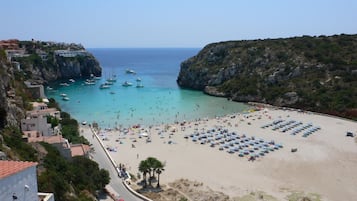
x,y
159,101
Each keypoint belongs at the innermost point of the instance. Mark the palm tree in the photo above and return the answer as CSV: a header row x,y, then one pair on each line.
x,y
144,167
152,163
159,166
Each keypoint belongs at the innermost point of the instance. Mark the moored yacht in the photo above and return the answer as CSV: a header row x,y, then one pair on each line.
x,y
139,85
127,84
104,86
64,84
130,71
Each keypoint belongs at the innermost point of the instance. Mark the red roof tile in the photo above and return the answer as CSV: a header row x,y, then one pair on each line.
x,y
8,168
79,149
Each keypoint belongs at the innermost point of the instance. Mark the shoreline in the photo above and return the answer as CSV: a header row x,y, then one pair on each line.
x,y
318,156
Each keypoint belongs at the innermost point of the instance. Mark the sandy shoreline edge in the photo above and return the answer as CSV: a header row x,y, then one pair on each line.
x,y
325,162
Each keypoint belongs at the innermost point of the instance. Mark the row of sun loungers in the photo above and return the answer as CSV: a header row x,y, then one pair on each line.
x,y
232,142
294,126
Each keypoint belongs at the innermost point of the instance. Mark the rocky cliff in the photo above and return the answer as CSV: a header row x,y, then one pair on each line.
x,y
37,62
55,61
63,68
11,106
316,73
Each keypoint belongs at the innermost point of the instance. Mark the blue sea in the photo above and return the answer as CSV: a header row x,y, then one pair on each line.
x,y
161,100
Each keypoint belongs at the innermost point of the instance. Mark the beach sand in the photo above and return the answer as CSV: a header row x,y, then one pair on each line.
x,y
325,162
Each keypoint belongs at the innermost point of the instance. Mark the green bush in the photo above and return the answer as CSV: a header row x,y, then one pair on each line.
x,y
13,139
70,129
81,174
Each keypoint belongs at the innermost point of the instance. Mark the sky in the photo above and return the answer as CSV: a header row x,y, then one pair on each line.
x,y
172,23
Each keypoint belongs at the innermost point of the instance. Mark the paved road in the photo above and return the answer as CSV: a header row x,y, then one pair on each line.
x,y
101,158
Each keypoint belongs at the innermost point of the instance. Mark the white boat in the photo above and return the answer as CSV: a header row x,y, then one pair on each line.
x,y
104,86
138,79
127,84
71,80
130,71
112,79
139,85
65,98
64,84
63,95
49,88
89,83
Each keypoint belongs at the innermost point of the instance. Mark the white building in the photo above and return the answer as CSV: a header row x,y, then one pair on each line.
x,y
18,181
42,109
71,53
37,123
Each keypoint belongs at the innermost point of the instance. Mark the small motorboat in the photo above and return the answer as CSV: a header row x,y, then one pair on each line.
x,y
130,71
127,84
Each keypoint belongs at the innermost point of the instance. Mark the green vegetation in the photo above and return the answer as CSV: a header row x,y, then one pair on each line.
x,y
64,177
18,148
151,166
41,63
53,104
255,196
53,121
73,180
35,61
70,129
70,180
77,179
2,55
31,46
322,71
297,196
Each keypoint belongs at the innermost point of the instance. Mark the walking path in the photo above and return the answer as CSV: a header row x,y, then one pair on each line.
x,y
104,162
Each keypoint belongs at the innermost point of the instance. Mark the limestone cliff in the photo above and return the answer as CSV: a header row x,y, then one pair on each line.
x,y
47,62
11,106
316,73
37,62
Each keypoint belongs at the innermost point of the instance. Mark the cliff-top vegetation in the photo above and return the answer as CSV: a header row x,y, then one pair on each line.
x,y
313,73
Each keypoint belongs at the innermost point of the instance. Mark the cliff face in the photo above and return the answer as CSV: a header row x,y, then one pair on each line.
x,y
11,106
65,68
40,62
316,73
79,67
55,61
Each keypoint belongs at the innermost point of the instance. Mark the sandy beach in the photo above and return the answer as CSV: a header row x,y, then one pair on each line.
x,y
325,162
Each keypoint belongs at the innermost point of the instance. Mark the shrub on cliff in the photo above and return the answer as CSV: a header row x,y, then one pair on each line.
x,y
68,179
321,72
70,129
